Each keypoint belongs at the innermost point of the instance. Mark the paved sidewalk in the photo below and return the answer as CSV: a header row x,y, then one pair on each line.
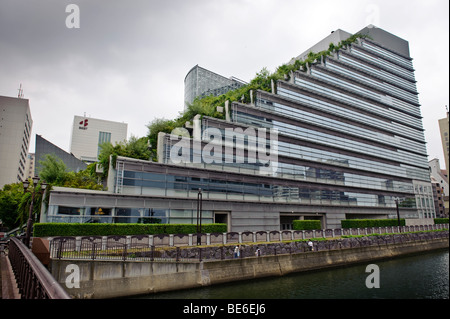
x,y
8,286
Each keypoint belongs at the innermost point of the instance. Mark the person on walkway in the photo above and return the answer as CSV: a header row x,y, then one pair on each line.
x,y
258,252
236,251
310,245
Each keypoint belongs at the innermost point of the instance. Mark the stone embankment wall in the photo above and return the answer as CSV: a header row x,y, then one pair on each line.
x,y
108,279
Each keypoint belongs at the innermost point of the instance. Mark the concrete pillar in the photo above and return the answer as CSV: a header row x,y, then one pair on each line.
x,y
197,128
227,111
77,243
151,240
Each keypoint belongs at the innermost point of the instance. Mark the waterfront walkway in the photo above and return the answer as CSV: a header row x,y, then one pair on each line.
x,y
8,286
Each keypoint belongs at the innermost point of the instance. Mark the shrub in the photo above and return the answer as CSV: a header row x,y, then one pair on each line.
x,y
363,223
306,224
103,229
441,220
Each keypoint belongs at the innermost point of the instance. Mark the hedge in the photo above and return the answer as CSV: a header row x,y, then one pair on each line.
x,y
441,220
363,223
306,224
104,229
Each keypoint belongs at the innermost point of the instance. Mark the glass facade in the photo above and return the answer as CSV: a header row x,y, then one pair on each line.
x,y
88,214
349,141
200,82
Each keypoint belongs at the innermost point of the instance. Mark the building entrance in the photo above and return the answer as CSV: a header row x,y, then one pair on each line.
x,y
222,218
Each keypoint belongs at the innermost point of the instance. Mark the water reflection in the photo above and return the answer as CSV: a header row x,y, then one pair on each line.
x,y
424,276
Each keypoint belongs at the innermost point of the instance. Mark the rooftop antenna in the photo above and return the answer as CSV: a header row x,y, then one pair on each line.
x,y
20,95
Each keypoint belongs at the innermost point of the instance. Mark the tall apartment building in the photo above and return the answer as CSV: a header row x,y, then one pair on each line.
x,y
15,133
89,133
348,142
200,82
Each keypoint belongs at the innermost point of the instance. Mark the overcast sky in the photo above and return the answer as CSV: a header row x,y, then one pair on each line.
x,y
128,59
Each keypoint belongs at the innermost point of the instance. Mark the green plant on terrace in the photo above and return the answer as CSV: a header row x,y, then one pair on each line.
x,y
207,106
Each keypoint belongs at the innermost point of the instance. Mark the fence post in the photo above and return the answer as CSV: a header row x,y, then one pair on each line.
x,y
199,254
151,240
93,250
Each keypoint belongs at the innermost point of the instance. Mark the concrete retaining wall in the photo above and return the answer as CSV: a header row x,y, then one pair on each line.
x,y
108,279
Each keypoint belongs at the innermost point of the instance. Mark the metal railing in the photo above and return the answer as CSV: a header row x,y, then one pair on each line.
x,y
129,249
33,279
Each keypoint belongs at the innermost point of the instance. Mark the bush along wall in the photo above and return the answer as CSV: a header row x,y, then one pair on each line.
x,y
363,223
306,224
103,229
441,220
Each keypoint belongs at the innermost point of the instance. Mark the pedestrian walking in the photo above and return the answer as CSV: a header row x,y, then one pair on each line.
x,y
310,245
236,251
258,252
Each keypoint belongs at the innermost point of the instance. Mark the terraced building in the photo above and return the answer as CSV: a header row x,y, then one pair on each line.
x,y
343,139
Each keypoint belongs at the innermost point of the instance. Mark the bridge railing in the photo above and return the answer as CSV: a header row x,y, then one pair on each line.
x,y
33,279
129,248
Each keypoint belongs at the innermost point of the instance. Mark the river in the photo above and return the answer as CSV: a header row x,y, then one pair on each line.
x,y
423,276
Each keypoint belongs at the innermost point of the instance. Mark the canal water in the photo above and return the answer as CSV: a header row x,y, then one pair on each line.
x,y
423,276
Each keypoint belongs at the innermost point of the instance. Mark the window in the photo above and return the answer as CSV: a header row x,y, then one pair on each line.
x,y
103,137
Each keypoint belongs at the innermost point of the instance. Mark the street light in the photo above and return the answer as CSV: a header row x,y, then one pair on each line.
x,y
26,184
199,214
398,214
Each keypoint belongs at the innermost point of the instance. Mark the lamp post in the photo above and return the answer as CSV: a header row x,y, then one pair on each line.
x,y
398,214
26,184
199,214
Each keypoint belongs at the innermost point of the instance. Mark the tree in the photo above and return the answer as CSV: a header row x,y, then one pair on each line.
x,y
53,170
10,197
134,148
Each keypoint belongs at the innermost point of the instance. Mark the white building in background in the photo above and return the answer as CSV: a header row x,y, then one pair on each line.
x,y
88,133
15,133
436,172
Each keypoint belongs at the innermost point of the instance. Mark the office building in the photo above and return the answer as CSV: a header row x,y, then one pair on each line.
x,y
30,165
341,139
200,82
44,147
15,132
89,133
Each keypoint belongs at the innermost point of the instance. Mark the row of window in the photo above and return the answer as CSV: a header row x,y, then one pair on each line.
x,y
125,215
361,104
377,83
387,76
384,64
407,63
308,153
171,185
344,127
332,108
307,134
